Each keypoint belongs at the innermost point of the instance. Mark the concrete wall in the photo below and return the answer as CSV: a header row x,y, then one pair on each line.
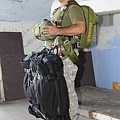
x,y
22,15
106,54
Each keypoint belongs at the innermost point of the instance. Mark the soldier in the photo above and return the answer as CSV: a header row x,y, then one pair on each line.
x,y
69,23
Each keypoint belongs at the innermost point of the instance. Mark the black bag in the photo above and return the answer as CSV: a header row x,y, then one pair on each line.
x,y
45,86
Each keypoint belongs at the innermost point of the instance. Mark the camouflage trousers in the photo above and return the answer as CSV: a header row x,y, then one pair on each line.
x,y
70,72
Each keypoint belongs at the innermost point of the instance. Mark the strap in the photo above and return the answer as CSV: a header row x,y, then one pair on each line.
x,y
59,22
69,51
25,62
67,42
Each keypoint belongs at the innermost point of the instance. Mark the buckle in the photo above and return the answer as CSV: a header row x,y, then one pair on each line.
x,y
78,44
66,41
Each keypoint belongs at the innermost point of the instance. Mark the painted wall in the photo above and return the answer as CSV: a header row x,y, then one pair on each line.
x,y
22,15
106,42
106,54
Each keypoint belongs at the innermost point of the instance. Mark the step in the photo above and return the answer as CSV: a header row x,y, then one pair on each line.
x,y
99,103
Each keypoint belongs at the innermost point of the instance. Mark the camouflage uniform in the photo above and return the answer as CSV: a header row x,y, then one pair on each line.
x,y
70,73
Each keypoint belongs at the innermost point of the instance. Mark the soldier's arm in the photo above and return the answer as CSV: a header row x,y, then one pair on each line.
x,y
76,29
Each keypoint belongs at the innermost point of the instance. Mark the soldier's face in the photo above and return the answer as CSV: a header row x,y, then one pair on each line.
x,y
63,2
60,1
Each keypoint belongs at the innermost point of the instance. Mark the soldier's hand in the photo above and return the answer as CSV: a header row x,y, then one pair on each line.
x,y
51,30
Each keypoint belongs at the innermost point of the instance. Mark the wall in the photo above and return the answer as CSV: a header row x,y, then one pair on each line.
x,y
22,15
106,54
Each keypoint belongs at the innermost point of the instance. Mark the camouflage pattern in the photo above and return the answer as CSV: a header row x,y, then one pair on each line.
x,y
70,73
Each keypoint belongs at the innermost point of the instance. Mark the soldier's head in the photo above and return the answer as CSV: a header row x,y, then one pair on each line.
x,y
63,2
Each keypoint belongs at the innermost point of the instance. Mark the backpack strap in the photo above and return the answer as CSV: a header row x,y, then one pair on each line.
x,y
68,49
69,43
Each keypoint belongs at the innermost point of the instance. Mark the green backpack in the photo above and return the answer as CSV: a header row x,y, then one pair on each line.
x,y
91,20
84,40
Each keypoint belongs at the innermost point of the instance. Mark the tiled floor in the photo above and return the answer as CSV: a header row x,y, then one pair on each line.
x,y
17,110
